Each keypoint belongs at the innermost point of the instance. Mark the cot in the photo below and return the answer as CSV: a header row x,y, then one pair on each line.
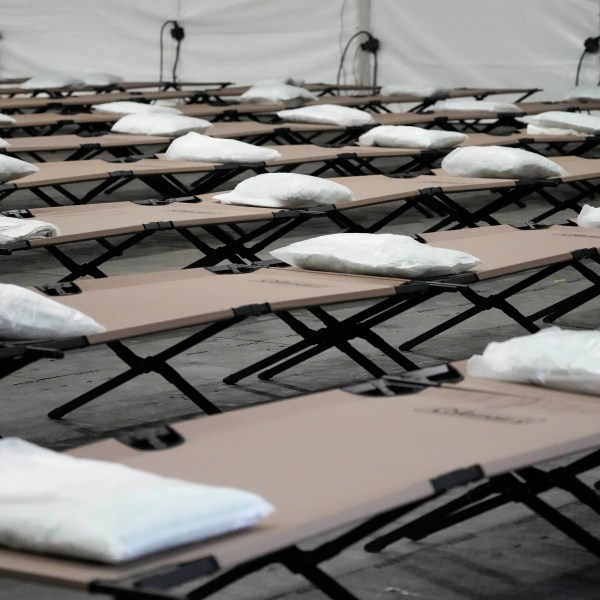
x,y
273,450
523,485
225,231
91,144
164,176
220,297
49,123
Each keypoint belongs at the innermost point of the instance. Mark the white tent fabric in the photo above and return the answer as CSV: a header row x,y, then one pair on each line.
x,y
459,43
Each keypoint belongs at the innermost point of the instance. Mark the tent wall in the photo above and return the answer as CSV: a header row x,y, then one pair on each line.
x,y
455,42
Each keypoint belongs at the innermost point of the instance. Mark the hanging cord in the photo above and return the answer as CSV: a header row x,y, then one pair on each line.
x,y
371,45
591,46
177,33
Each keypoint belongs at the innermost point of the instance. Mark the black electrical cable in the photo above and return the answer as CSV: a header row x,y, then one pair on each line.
x,y
591,46
346,47
177,34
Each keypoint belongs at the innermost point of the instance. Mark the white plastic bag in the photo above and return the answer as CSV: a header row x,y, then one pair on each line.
x,y
286,190
327,114
27,315
159,124
553,357
500,162
57,504
589,216
381,254
405,136
203,148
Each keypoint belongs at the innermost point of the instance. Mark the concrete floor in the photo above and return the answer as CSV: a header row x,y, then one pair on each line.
x,y
508,553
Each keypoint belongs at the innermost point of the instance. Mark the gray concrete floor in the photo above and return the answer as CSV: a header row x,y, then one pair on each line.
x,y
508,553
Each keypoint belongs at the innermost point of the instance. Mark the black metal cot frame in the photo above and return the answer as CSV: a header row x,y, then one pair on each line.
x,y
316,341
357,326
202,577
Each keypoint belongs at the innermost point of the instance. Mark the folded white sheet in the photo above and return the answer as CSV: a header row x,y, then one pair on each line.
x,y
57,504
16,230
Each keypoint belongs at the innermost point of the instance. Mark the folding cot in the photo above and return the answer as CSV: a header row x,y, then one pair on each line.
x,y
231,232
273,450
49,123
89,144
85,101
521,486
164,176
17,104
221,297
486,121
63,92
93,144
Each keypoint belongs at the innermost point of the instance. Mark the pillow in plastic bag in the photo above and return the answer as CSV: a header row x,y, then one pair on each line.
x,y
6,119
404,136
286,190
53,503
27,315
589,216
203,148
554,358
327,114
289,80
580,122
276,92
541,130
101,79
14,230
127,107
416,90
381,254
49,82
476,105
499,162
159,124
14,168
584,92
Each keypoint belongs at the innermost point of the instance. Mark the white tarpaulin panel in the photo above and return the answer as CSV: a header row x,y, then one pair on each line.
x,y
484,42
458,43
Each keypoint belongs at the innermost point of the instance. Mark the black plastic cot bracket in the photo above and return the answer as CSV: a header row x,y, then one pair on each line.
x,y
65,288
10,247
5,187
118,174
18,213
347,155
582,253
159,226
456,478
241,165
90,146
408,383
430,191
169,577
151,438
252,310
